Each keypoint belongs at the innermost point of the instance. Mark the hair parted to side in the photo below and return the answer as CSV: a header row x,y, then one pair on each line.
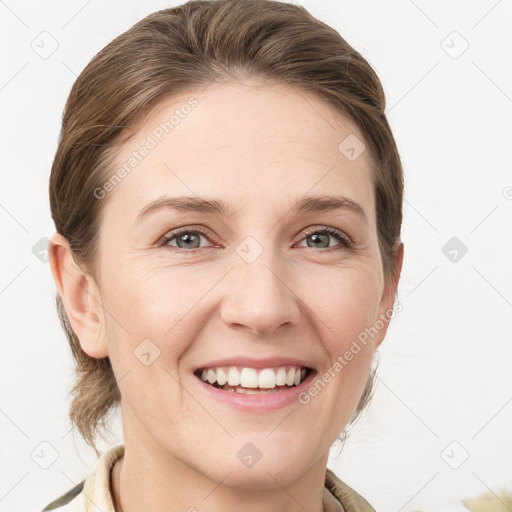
x,y
181,49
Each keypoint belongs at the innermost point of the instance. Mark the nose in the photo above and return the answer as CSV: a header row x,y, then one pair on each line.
x,y
259,296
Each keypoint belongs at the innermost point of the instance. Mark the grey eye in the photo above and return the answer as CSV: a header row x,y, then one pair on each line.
x,y
186,240
317,240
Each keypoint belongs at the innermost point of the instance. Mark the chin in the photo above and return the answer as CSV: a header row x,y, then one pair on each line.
x,y
264,469
262,477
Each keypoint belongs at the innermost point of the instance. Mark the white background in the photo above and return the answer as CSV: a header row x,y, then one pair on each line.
x,y
445,365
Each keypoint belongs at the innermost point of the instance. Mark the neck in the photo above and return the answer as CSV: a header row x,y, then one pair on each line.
x,y
148,478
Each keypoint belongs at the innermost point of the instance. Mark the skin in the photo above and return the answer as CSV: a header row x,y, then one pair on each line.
x,y
294,300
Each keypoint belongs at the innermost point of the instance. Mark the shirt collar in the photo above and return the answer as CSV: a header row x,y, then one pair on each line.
x,y
97,490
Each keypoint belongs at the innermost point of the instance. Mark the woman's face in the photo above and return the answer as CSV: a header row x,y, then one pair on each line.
x,y
258,286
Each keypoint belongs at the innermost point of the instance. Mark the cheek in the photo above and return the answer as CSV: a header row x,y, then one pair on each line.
x,y
345,315
345,306
148,308
147,301
156,310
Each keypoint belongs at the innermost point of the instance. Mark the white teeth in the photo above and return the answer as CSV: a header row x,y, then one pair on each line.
x,y
248,378
267,378
281,377
233,377
222,378
211,376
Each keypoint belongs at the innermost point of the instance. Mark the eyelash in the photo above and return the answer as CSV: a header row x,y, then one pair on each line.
x,y
345,242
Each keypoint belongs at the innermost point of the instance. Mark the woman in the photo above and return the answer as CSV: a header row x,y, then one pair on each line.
x,y
227,195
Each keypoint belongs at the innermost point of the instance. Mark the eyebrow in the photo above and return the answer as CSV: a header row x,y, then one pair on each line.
x,y
308,204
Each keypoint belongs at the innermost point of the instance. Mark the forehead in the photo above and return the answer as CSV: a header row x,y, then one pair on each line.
x,y
244,141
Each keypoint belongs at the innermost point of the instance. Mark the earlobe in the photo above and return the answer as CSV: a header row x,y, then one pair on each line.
x,y
80,297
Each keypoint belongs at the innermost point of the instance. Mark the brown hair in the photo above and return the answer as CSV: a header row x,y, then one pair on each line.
x,y
176,50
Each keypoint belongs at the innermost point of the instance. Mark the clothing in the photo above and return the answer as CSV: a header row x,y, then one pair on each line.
x,y
94,493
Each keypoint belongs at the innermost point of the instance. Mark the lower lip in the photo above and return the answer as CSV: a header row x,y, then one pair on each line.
x,y
257,402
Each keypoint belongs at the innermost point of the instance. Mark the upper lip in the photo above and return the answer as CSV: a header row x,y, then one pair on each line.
x,y
248,362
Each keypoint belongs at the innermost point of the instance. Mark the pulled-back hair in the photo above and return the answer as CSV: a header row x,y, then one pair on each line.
x,y
173,51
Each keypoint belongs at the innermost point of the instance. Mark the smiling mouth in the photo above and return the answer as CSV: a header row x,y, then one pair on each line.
x,y
254,380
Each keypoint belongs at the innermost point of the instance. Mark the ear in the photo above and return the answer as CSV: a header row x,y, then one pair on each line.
x,y
388,297
80,297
